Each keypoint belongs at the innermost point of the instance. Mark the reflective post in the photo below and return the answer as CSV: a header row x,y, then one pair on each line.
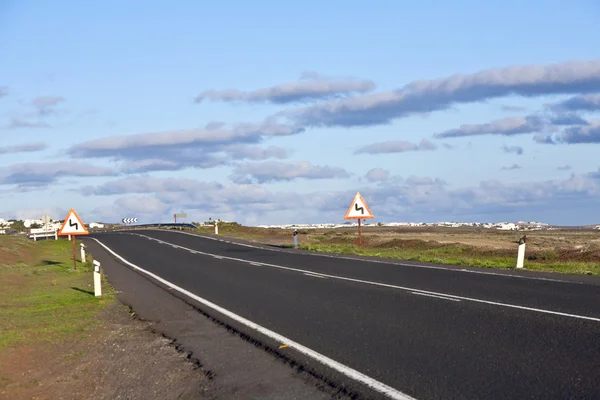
x,y
521,254
97,279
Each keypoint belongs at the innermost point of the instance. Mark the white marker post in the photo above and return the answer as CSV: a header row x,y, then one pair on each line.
x,y
521,254
216,228
97,279
55,235
82,253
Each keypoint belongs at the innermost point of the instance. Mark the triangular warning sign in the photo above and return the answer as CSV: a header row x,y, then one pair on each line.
x,y
358,209
72,225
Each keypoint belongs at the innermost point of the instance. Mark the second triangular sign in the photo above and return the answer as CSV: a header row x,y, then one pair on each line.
x,y
358,209
72,225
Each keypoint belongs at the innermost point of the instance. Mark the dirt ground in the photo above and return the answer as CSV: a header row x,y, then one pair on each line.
x,y
13,250
122,359
576,239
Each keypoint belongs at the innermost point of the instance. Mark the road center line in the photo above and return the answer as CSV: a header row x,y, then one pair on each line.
x,y
340,257
347,371
315,275
495,303
431,295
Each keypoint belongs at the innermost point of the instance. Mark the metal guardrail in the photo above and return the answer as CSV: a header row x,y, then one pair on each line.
x,y
37,235
145,226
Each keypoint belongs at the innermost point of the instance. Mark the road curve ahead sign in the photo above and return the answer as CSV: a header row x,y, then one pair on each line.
x,y
358,209
72,225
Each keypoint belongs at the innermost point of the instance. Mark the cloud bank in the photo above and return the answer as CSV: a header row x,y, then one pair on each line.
x,y
272,171
23,148
439,94
312,88
506,126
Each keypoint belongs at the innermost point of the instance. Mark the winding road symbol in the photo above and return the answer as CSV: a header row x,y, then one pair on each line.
x,y
357,208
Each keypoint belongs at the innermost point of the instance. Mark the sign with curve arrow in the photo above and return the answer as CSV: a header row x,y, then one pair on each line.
x,y
358,209
73,225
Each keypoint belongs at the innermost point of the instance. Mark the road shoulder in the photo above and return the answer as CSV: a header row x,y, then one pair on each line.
x,y
236,368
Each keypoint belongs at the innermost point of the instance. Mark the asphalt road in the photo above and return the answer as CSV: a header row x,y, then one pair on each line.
x,y
428,333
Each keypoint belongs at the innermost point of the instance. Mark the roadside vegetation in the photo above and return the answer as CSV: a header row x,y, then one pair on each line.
x,y
43,299
563,251
57,340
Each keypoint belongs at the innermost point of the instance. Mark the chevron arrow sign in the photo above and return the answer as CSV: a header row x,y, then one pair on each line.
x,y
129,220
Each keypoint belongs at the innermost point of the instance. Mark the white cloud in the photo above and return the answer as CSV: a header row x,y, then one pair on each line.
x,y
56,213
439,94
22,148
41,174
377,175
273,171
17,123
313,87
396,146
583,102
416,198
513,149
196,148
45,105
589,133
506,126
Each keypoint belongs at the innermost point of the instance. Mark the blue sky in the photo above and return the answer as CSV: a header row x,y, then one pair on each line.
x,y
266,112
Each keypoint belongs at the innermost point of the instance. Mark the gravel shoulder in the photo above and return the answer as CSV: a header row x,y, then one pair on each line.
x,y
229,367
121,358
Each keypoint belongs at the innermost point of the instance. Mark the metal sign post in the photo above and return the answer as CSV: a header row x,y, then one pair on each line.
x,y
74,253
359,235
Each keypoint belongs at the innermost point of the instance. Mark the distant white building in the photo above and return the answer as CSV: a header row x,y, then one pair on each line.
x,y
29,222
503,226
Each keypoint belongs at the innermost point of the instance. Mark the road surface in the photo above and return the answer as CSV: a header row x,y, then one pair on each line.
x,y
389,330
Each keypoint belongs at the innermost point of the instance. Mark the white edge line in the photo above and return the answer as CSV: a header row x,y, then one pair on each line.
x,y
432,295
347,371
395,286
316,254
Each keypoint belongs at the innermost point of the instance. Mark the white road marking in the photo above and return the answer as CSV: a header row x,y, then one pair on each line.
x,y
315,275
495,303
315,254
431,295
347,371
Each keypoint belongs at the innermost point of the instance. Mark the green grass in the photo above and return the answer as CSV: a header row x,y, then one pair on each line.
x,y
456,255
43,299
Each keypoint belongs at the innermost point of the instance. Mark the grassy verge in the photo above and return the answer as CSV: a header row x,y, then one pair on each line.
x,y
460,255
42,298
